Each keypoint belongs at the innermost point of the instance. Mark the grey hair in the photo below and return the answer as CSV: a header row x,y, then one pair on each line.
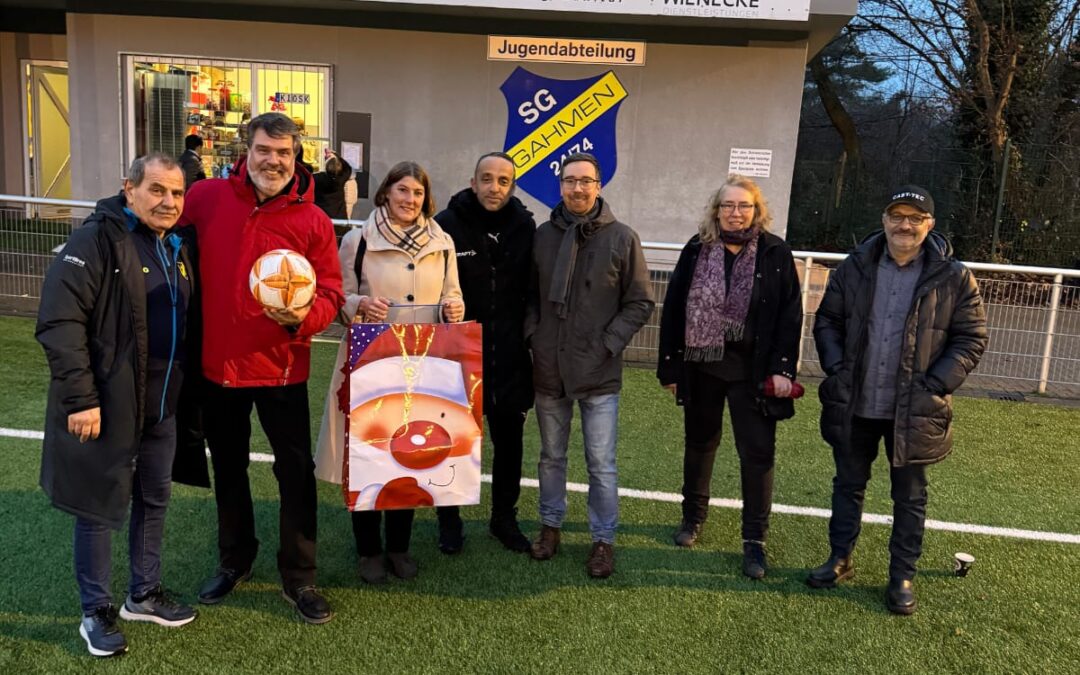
x,y
137,170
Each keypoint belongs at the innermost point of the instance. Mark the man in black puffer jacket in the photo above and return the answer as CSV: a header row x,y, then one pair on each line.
x,y
493,235
900,327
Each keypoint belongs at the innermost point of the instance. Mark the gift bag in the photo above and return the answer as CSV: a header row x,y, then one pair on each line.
x,y
414,425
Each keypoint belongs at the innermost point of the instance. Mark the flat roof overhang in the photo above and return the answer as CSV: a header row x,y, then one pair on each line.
x,y
825,19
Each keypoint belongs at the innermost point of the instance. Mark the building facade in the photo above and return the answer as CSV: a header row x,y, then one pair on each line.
x,y
670,94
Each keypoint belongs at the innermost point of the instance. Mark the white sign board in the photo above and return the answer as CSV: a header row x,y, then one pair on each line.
x,y
565,50
750,162
353,153
780,10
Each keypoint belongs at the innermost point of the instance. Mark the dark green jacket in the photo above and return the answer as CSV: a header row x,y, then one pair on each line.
x,y
610,300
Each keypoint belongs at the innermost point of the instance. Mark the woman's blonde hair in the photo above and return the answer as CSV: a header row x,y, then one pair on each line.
x,y
709,229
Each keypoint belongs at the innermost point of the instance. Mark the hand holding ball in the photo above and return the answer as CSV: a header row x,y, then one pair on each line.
x,y
282,280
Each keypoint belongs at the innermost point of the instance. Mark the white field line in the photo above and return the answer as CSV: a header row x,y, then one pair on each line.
x,y
671,497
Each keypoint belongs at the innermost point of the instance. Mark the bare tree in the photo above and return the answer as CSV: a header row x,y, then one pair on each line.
x,y
970,50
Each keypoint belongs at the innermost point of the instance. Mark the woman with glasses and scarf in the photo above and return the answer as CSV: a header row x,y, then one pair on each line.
x,y
729,332
398,267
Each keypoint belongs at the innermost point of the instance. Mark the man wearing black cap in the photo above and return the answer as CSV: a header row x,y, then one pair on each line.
x,y
899,329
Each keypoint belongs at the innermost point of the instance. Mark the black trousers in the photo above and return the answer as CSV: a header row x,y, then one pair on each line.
x,y
366,526
507,428
285,418
755,441
909,497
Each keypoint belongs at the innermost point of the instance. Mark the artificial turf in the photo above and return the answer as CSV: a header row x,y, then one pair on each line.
x,y
665,609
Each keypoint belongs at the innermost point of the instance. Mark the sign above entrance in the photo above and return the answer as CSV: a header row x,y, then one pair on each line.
x,y
565,50
551,119
779,10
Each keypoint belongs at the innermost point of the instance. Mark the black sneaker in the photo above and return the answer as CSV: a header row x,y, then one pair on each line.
x,y
311,605
157,607
102,635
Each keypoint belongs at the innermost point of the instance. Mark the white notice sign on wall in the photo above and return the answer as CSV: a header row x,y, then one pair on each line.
x,y
753,162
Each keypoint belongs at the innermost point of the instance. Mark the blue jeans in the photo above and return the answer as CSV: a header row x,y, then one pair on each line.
x,y
600,424
151,488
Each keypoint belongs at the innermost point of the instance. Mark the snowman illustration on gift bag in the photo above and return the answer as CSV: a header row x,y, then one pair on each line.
x,y
413,416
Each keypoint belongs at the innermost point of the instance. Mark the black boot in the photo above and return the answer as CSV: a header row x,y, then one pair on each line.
x,y
687,534
451,530
835,570
753,559
505,528
900,596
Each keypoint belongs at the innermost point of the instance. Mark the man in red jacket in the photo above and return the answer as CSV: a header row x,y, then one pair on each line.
x,y
257,357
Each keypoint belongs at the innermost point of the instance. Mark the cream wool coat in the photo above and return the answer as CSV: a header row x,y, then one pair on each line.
x,y
385,272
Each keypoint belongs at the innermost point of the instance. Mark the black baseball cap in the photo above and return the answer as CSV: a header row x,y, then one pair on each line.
x,y
912,195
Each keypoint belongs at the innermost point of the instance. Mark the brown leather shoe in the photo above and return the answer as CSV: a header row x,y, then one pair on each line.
x,y
601,562
546,544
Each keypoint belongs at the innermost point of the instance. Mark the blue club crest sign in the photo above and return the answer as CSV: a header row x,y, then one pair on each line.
x,y
550,119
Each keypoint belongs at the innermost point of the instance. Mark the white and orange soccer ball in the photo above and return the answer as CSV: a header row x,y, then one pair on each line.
x,y
282,279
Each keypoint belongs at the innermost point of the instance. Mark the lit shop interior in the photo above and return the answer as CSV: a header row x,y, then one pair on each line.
x,y
168,98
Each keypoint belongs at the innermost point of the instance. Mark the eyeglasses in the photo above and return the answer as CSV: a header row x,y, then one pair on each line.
x,y
574,182
744,207
915,219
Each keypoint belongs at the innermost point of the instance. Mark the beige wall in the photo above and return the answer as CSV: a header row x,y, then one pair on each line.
x,y
14,47
435,98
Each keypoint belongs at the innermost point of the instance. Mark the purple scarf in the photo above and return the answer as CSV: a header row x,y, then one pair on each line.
x,y
716,313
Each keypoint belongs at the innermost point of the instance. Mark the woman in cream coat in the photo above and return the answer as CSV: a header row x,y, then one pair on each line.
x,y
408,274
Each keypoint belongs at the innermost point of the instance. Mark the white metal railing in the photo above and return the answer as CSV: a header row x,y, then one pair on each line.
x,y
1034,322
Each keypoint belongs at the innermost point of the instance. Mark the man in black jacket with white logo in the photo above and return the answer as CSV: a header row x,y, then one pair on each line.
x,y
114,325
493,236
900,327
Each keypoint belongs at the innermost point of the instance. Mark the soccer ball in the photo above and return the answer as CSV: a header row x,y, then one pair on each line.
x,y
282,279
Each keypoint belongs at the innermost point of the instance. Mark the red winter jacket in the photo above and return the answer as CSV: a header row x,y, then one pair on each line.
x,y
242,347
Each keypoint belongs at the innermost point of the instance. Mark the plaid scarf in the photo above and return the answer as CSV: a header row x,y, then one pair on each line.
x,y
715,312
411,239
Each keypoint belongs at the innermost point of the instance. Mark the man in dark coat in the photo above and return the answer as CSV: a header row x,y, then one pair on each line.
x,y
493,235
190,162
112,321
591,294
900,328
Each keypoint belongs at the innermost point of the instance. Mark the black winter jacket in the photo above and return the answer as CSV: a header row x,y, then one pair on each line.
x,y
776,331
944,338
494,258
92,325
330,190
192,167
